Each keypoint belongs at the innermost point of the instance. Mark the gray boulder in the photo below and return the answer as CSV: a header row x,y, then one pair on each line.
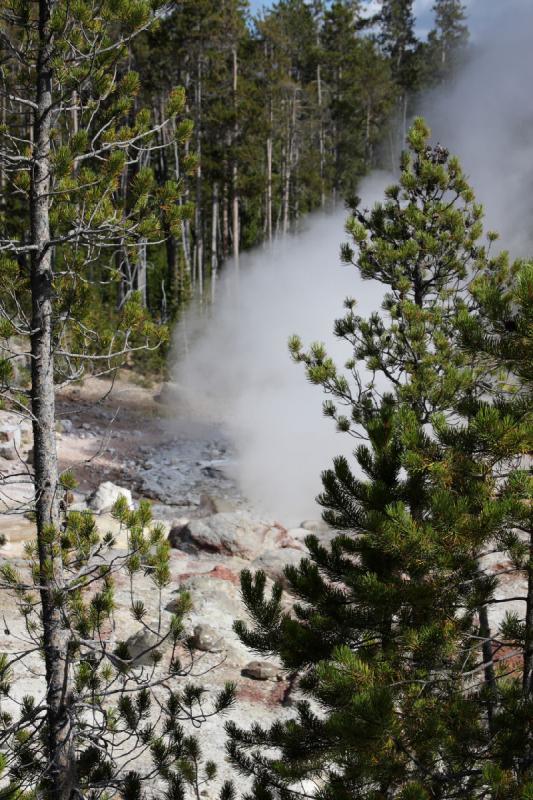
x,y
261,671
10,434
207,639
141,647
179,534
273,562
234,534
10,439
214,505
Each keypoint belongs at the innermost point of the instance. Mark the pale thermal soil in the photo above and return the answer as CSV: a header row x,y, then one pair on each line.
x,y
148,442
141,440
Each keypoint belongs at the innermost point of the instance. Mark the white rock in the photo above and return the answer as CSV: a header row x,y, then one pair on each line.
x,y
217,603
10,439
138,644
261,671
107,494
206,638
64,426
273,562
8,452
10,434
315,525
236,534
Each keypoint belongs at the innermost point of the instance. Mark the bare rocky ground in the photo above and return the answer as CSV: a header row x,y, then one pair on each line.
x,y
142,441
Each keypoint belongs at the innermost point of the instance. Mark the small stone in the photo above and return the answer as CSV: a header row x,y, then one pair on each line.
x,y
273,562
64,426
107,494
214,505
207,639
261,671
179,534
8,452
138,644
10,434
315,525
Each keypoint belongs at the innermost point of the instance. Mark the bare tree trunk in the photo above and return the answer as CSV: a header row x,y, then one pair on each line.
x,y
3,197
60,723
185,228
269,180
288,163
225,221
528,644
199,260
141,270
321,146
486,649
235,173
214,233
286,181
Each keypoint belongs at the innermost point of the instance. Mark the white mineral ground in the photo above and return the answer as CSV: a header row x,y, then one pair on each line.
x,y
133,439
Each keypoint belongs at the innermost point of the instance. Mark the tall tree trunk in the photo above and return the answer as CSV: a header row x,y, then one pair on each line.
x,y
59,782
172,270
235,170
225,220
199,234
214,249
269,190
184,198
528,644
488,656
321,146
3,120
141,271
291,117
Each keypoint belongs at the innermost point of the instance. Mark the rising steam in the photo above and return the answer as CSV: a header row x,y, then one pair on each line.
x,y
238,370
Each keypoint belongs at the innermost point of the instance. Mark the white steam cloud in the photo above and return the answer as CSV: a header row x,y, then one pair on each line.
x,y
238,369
487,118
240,372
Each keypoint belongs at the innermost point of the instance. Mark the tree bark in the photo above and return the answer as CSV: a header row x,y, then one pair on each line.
x,y
199,234
528,644
269,189
225,221
235,169
321,146
141,272
487,654
60,774
214,242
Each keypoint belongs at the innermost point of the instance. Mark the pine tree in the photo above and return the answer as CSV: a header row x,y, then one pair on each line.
x,y
401,695
77,165
399,42
447,41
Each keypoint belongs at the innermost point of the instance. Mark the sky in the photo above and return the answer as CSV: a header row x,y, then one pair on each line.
x,y
477,10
